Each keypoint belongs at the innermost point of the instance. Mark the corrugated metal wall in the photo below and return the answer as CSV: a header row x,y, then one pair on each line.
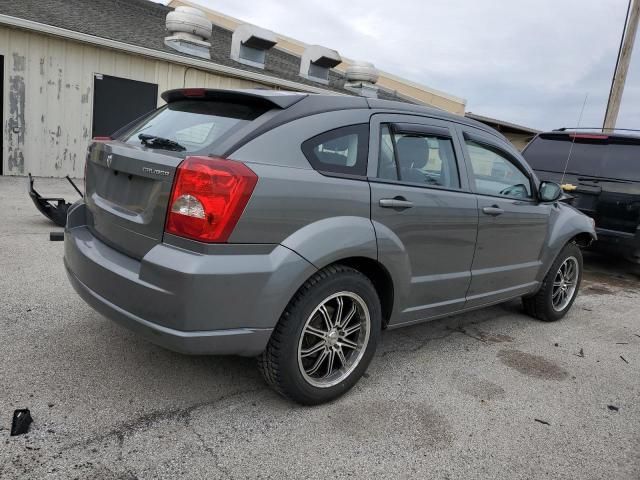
x,y
48,97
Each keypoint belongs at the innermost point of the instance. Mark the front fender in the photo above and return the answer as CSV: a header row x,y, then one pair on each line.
x,y
565,223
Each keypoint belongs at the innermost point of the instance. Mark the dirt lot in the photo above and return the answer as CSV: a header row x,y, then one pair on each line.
x,y
491,394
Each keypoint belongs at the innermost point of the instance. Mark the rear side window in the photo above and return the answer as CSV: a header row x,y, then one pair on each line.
x,y
342,151
194,125
417,158
610,158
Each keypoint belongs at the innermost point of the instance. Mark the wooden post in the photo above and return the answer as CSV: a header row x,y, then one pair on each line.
x,y
620,75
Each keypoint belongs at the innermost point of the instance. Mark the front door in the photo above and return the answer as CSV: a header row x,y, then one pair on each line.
x,y
512,226
424,216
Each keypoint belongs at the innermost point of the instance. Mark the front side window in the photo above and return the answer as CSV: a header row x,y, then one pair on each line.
x,y
417,158
343,150
494,174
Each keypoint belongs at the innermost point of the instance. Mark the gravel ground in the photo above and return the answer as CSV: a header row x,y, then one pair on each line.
x,y
490,394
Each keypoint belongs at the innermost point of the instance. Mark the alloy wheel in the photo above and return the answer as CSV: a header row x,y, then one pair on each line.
x,y
334,339
565,283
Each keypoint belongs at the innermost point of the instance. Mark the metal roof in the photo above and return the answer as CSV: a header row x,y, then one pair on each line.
x,y
501,124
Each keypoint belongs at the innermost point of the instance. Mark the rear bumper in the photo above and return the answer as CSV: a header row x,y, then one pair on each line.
x,y
241,341
225,303
621,243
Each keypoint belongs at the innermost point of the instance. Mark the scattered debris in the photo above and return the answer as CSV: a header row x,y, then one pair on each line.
x,y
541,421
21,421
580,354
556,345
613,408
624,359
622,343
637,335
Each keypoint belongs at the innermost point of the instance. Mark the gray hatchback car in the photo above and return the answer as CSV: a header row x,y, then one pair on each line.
x,y
296,227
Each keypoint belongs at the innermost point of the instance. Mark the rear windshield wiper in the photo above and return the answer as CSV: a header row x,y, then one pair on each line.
x,y
154,141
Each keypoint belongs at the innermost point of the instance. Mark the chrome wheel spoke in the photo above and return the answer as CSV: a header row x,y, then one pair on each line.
x,y
315,331
340,353
345,342
350,316
319,361
338,313
347,332
325,316
311,350
330,362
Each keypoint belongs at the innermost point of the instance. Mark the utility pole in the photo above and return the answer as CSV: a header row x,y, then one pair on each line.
x,y
622,65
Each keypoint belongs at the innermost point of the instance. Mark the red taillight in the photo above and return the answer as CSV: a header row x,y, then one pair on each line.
x,y
208,197
101,139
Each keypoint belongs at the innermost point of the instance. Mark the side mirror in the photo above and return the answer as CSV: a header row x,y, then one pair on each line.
x,y
550,191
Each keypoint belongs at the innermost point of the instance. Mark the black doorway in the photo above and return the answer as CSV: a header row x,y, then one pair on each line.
x,y
118,101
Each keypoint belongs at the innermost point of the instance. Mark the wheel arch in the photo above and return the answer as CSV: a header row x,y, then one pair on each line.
x,y
379,277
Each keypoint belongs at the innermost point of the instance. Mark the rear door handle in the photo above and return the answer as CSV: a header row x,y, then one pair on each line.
x,y
398,202
494,211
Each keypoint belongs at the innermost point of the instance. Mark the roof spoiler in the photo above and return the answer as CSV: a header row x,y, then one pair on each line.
x,y
267,98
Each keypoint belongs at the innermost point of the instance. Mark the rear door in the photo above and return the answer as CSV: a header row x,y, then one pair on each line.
x,y
423,213
512,227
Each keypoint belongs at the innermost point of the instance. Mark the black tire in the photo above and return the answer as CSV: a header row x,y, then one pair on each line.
x,y
279,362
541,305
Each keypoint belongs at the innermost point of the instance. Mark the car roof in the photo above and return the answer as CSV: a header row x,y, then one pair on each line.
x,y
298,105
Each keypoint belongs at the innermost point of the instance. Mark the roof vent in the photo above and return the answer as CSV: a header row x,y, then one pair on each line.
x,y
249,45
189,29
361,79
316,62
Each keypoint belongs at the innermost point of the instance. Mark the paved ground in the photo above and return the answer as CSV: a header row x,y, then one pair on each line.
x,y
464,397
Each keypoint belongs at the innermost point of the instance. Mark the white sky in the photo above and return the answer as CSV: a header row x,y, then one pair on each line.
x,y
526,61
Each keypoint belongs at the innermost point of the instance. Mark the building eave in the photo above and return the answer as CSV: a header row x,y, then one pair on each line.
x,y
204,65
501,123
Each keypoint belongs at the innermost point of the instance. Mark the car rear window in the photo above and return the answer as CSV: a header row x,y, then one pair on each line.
x,y
617,158
193,124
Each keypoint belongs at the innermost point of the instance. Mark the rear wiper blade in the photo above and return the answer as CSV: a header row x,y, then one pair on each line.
x,y
155,141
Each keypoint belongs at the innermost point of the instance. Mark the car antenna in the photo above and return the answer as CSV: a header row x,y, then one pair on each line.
x,y
573,140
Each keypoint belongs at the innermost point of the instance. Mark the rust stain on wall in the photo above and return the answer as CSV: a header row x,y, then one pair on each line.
x,y
15,129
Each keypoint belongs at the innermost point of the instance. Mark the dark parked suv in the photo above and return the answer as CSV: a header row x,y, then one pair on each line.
x,y
296,227
602,173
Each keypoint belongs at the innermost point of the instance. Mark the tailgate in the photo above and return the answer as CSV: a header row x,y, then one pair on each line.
x,y
127,190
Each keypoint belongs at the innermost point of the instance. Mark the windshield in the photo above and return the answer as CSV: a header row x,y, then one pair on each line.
x,y
611,158
192,124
